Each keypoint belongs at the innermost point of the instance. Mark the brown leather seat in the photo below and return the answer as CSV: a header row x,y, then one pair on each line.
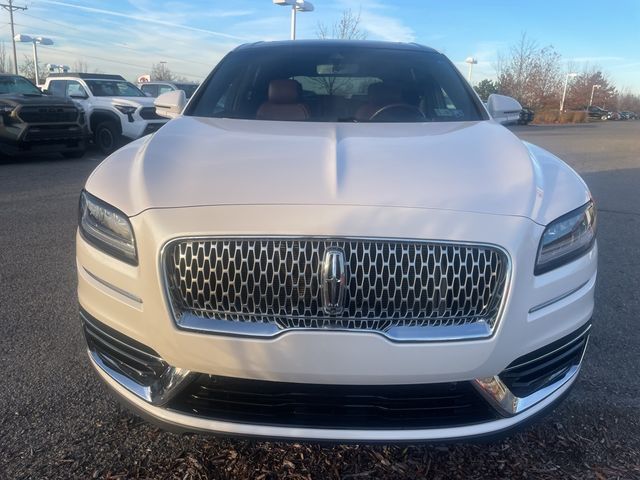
x,y
284,102
380,95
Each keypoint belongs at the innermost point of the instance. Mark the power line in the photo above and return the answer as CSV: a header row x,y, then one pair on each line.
x,y
11,8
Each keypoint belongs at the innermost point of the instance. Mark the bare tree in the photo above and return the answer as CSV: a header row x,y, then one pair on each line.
x,y
26,69
530,73
346,28
160,72
80,66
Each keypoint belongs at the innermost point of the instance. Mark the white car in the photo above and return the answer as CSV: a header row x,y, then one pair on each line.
x,y
334,241
116,110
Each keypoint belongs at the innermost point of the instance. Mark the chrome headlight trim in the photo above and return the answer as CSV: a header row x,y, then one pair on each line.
x,y
107,228
566,238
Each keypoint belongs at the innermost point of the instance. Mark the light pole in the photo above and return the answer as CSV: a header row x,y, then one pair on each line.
x,y
564,92
296,6
592,90
35,41
471,61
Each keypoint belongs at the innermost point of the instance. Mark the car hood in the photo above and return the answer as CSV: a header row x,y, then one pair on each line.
x,y
16,99
133,101
464,166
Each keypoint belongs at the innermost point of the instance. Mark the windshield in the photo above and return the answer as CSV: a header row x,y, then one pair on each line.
x,y
18,85
329,84
113,88
187,88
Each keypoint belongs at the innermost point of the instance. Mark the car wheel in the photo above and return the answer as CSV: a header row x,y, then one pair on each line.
x,y
107,137
73,154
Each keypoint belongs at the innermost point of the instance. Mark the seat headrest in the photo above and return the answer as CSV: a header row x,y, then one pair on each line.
x,y
284,91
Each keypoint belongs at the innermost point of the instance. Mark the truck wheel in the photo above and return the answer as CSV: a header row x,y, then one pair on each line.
x,y
107,137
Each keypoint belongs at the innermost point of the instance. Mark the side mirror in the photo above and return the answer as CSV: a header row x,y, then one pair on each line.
x,y
170,104
79,96
503,109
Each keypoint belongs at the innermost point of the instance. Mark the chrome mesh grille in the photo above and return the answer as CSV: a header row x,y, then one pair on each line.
x,y
389,283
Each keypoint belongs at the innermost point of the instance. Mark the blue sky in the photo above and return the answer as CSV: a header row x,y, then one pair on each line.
x,y
127,36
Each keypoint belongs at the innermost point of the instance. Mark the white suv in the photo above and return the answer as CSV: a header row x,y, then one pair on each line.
x,y
116,109
334,240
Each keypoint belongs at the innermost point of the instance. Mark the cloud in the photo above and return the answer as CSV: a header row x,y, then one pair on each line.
x,y
140,18
386,28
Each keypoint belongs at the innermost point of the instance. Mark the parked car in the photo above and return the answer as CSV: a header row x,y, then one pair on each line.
x,y
116,109
526,116
597,113
31,122
625,115
614,116
378,262
153,89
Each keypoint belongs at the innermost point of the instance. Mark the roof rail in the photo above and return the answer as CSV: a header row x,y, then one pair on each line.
x,y
84,75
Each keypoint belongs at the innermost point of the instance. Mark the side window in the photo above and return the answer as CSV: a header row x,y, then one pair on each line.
x,y
150,89
74,89
57,88
164,89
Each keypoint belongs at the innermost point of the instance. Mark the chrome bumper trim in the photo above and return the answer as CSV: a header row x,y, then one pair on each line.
x,y
496,392
468,331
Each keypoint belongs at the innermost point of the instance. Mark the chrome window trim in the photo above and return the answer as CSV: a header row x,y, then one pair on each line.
x,y
400,334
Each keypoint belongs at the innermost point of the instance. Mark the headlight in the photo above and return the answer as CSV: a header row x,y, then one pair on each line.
x,y
567,238
107,228
126,109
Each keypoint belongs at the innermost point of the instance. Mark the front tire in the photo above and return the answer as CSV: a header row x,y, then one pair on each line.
x,y
107,137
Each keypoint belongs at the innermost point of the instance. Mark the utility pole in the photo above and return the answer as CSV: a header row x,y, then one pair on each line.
x,y
11,8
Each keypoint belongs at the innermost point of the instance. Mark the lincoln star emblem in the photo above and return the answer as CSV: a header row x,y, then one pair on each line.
x,y
334,281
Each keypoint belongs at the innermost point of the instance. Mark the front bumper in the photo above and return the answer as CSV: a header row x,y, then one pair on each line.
x,y
189,402
21,139
140,127
539,311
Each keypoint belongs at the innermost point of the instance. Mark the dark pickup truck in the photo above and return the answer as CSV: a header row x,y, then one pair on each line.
x,y
31,122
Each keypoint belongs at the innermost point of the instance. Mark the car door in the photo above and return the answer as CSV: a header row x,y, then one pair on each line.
x,y
77,92
57,88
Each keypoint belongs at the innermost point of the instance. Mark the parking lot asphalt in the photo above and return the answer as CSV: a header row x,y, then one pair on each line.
x,y
58,421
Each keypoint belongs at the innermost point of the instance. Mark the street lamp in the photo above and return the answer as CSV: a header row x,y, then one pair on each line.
x,y
35,41
592,89
564,93
296,6
471,61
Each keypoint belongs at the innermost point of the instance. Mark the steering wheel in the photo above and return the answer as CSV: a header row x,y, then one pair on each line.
x,y
400,106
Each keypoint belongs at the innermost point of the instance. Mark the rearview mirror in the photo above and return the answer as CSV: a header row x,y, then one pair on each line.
x,y
170,104
503,109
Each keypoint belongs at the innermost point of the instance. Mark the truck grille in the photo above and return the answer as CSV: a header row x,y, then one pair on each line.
x,y
35,114
388,283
